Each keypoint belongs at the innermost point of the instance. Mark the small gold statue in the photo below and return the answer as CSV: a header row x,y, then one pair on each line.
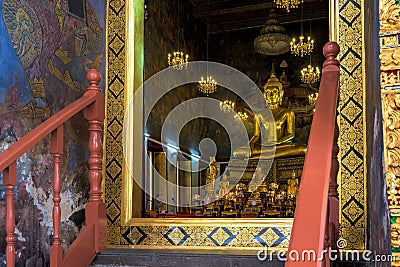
x,y
212,175
293,185
280,134
284,80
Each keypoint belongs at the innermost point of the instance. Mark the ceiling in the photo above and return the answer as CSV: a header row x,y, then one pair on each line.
x,y
231,15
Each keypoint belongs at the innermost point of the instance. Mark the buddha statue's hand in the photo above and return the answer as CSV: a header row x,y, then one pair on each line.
x,y
242,152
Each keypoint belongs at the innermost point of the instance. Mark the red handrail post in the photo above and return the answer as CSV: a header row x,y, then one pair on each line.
x,y
94,114
93,237
331,50
9,180
56,148
314,213
334,194
332,227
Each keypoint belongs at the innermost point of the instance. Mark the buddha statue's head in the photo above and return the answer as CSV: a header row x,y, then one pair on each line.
x,y
273,91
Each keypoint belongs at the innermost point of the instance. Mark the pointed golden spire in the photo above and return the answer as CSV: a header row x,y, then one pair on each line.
x,y
273,74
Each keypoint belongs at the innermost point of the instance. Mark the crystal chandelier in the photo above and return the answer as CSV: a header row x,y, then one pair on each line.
x,y
207,85
178,60
309,75
288,4
302,48
227,106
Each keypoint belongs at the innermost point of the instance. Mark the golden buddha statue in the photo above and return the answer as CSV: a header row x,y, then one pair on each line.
x,y
284,80
280,134
212,175
293,185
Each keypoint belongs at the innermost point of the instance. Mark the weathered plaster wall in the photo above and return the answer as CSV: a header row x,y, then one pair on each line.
x,y
45,52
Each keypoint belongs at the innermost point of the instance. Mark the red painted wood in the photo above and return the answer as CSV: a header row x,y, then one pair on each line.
x,y
93,238
39,133
95,209
9,180
56,199
334,194
310,219
332,223
82,251
95,214
95,161
56,148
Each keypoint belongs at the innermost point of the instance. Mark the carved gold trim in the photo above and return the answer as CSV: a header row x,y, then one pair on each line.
x,y
210,250
391,130
390,93
213,222
389,16
213,250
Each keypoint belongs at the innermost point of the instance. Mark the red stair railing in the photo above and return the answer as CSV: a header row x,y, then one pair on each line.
x,y
316,219
92,239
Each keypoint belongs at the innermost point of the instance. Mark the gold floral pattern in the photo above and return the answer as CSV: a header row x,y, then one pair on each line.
x,y
353,211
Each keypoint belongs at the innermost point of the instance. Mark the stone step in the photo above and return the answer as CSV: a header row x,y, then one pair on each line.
x,y
180,258
195,258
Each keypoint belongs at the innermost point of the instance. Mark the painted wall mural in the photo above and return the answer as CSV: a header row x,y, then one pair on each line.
x,y
45,50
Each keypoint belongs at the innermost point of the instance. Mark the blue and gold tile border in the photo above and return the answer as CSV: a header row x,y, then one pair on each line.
x,y
208,234
352,172
126,233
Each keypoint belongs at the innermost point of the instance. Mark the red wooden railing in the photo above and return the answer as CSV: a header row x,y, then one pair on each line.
x,y
93,237
316,219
